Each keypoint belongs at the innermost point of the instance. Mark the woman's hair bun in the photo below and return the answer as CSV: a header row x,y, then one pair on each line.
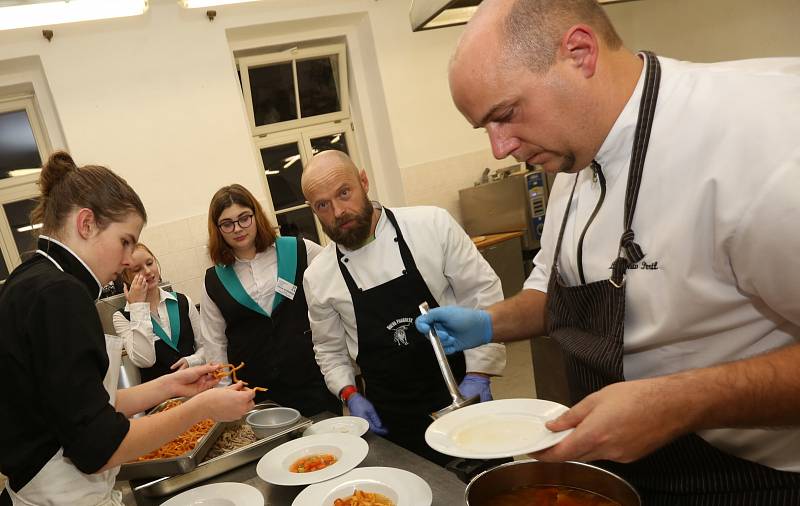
x,y
56,169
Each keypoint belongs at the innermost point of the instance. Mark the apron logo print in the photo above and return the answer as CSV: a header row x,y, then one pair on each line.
x,y
398,329
652,266
644,266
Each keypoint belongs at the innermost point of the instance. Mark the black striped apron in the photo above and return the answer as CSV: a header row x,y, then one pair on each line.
x,y
588,320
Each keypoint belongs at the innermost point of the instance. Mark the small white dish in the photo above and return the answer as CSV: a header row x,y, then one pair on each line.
x,y
219,494
496,429
349,452
353,425
402,487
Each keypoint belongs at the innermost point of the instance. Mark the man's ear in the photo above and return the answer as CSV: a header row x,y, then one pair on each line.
x,y
580,48
85,223
362,177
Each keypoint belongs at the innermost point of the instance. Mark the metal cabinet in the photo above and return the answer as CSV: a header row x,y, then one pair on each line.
x,y
506,259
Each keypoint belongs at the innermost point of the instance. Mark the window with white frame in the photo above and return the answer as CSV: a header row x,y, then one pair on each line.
x,y
298,105
23,148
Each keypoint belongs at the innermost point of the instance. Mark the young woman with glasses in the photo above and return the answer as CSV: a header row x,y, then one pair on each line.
x,y
253,308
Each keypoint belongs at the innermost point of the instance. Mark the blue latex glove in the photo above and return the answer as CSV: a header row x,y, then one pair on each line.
x,y
458,328
475,384
361,407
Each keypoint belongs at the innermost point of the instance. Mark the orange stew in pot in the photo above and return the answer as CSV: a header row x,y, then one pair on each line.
x,y
549,496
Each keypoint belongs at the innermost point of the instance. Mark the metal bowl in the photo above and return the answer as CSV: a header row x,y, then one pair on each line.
x,y
528,473
264,420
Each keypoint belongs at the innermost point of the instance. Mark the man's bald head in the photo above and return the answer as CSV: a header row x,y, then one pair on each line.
x,y
529,32
323,164
337,193
546,79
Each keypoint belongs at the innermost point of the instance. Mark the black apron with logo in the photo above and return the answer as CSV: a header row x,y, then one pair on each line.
x,y
588,322
403,379
277,349
165,354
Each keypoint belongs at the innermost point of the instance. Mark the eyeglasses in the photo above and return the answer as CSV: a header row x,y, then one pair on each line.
x,y
229,226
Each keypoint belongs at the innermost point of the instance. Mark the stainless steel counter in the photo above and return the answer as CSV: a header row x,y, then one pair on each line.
x,y
448,490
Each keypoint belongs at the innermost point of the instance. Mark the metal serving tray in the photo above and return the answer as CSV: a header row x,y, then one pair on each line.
x,y
225,462
175,465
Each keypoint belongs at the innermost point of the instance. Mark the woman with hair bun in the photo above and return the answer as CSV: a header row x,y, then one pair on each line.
x,y
254,308
64,429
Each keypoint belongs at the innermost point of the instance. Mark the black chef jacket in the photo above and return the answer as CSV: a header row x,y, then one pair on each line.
x,y
53,360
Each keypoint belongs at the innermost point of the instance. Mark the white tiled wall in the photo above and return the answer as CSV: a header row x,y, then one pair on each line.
x,y
437,183
181,249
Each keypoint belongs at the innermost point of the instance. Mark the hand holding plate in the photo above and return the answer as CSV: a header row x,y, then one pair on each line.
x,y
622,422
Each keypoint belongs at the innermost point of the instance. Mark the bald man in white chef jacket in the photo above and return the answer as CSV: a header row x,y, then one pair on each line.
x,y
364,291
669,267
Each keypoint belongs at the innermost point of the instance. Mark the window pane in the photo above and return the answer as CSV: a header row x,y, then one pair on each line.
x,y
299,223
284,168
334,141
272,89
318,86
18,214
17,144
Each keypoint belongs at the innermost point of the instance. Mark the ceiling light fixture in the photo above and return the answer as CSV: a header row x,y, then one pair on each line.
x,y
193,4
22,172
30,227
54,13
290,161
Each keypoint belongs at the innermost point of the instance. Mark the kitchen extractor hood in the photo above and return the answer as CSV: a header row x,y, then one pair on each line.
x,y
429,14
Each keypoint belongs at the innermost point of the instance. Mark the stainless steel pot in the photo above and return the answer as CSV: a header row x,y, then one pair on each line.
x,y
527,473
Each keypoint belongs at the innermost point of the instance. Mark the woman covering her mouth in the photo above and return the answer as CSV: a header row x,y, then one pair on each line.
x,y
160,329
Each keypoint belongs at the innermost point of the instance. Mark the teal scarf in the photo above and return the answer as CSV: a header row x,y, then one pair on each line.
x,y
286,248
174,323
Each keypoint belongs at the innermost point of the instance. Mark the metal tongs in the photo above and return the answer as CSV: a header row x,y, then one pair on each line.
x,y
459,401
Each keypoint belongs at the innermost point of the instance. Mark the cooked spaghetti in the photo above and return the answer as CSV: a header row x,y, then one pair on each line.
x,y
227,370
230,370
361,498
183,443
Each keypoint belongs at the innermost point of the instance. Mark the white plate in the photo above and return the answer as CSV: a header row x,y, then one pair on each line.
x,y
402,487
496,429
349,452
354,425
219,494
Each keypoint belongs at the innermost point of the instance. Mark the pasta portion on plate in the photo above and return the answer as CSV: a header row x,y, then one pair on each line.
x,y
361,498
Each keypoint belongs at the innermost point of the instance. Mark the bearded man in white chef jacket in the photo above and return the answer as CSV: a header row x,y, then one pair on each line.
x,y
668,269
364,291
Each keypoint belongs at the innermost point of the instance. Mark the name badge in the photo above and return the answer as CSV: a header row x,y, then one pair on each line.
x,y
286,289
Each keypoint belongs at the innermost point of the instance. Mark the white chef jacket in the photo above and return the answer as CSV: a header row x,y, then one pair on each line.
x,y
259,277
717,220
448,261
139,338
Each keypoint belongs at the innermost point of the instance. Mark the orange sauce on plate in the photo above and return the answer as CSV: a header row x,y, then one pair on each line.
x,y
312,463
